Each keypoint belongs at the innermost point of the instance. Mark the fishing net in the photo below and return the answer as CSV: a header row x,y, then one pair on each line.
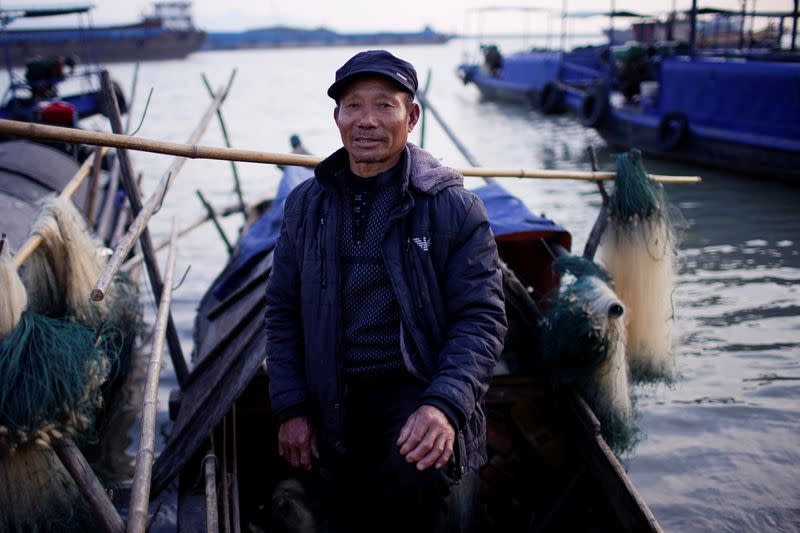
x,y
65,266
573,341
57,361
583,344
13,298
37,495
58,354
638,249
51,370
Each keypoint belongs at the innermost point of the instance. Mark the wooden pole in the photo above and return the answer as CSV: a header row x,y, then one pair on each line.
x,y
693,29
89,485
236,519
104,224
450,133
94,185
600,223
140,491
237,185
135,199
212,518
191,151
225,485
132,97
210,211
33,242
424,111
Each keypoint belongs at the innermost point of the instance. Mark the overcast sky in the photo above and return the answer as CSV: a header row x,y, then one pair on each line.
x,y
374,15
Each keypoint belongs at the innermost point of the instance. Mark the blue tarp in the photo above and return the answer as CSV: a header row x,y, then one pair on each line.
x,y
262,236
507,215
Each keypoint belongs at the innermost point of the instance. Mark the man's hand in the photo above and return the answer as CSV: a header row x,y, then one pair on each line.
x,y
297,442
427,438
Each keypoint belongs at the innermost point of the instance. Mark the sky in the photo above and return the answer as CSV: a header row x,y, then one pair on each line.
x,y
449,16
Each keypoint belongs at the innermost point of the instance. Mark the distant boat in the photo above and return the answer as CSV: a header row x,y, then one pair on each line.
x,y
731,108
286,37
549,80
168,33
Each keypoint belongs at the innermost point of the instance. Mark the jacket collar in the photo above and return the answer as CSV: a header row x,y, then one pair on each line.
x,y
422,172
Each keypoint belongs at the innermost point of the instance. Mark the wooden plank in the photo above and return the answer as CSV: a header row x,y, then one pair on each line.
x,y
208,396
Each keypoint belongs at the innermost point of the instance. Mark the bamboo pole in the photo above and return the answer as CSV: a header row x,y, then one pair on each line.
x,y
209,466
424,111
140,491
237,185
450,133
94,185
88,484
600,223
236,520
35,240
212,215
103,227
146,243
224,483
192,151
152,205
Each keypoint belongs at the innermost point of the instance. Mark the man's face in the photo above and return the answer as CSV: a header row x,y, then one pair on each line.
x,y
374,119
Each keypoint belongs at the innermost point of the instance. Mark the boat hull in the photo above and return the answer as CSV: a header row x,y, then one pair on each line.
x,y
700,146
103,46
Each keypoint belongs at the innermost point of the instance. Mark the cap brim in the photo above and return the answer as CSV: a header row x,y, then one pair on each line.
x,y
335,90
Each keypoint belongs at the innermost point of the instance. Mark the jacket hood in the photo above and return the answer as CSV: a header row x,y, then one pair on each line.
x,y
422,171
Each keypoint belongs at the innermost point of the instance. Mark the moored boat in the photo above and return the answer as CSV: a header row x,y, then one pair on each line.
x,y
726,108
551,81
727,113
166,34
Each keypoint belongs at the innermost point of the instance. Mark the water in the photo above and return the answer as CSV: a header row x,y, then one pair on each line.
x,y
720,451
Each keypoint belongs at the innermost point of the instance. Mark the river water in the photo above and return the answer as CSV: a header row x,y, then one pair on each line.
x,y
720,449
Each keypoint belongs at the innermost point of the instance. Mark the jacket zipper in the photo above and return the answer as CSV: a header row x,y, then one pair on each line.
x,y
323,256
414,275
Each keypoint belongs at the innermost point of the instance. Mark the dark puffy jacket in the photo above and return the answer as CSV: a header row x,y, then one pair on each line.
x,y
442,260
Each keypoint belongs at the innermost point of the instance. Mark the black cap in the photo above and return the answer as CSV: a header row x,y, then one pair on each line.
x,y
377,62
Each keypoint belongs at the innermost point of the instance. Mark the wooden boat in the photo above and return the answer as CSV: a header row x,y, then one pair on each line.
x,y
29,173
549,467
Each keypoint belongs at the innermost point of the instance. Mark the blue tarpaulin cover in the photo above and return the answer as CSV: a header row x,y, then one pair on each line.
x,y
507,213
262,236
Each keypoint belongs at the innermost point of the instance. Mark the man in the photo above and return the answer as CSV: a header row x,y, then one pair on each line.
x,y
385,315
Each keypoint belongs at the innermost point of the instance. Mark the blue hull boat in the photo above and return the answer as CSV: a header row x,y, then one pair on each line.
x,y
549,81
737,114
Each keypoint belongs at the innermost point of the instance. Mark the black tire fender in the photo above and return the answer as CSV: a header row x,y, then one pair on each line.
x,y
594,106
551,99
672,130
